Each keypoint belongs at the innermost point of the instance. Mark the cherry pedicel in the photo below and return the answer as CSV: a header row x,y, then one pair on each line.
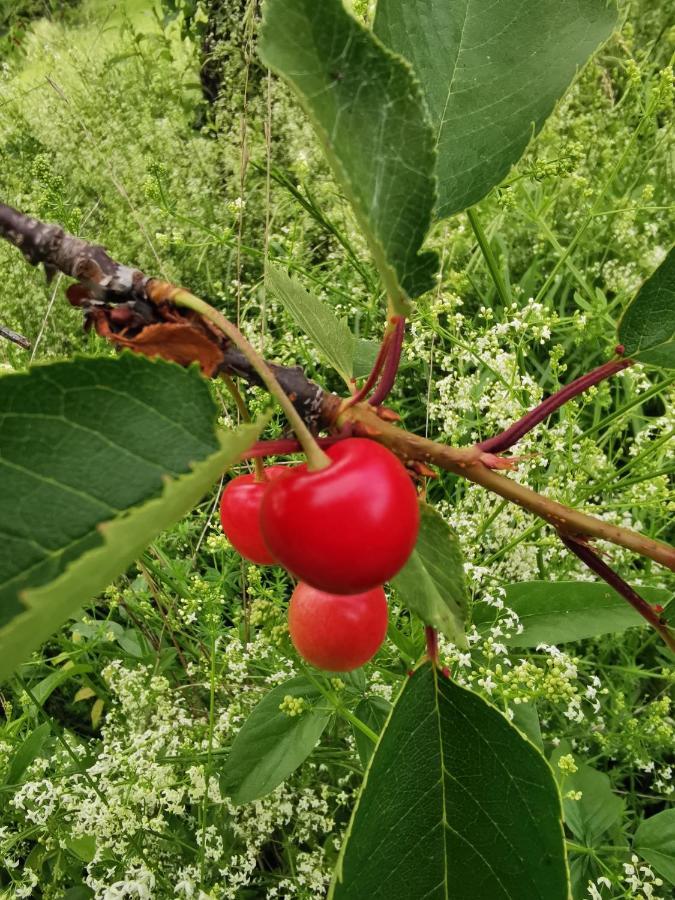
x,y
337,632
240,514
345,528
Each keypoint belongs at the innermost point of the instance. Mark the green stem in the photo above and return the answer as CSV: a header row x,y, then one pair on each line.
x,y
245,415
357,723
489,256
316,458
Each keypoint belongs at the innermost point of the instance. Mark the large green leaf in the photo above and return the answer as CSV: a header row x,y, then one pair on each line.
x,y
655,842
598,808
369,114
455,803
647,329
331,335
97,456
491,71
272,743
431,584
554,612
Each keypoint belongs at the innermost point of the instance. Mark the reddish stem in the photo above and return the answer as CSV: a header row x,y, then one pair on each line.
x,y
432,644
374,373
283,446
391,362
530,420
589,556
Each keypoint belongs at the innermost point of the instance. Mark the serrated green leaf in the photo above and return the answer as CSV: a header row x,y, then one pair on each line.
x,y
492,73
597,809
369,114
365,354
455,802
555,612
647,328
655,842
431,584
271,744
97,456
331,336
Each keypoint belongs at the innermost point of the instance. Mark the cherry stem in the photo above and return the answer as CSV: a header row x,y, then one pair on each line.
x,y
530,420
316,458
590,558
431,636
246,417
284,446
391,362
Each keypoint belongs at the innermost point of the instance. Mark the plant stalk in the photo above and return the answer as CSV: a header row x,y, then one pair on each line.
x,y
391,362
590,558
530,420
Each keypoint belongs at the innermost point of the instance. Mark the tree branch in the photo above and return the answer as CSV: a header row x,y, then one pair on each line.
x,y
519,429
15,338
588,556
132,309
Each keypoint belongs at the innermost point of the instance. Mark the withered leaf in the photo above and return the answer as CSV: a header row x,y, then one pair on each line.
x,y
177,342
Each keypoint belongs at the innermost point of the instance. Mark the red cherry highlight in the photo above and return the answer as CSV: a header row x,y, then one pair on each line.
x,y
348,527
240,514
337,632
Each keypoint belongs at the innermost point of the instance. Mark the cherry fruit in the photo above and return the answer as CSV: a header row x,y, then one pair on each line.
x,y
240,514
345,528
337,632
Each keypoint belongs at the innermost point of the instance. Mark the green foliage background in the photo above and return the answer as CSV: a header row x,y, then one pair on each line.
x,y
143,127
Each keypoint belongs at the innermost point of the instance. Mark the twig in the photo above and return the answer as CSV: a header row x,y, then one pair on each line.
x,y
391,362
515,432
590,558
113,285
14,337
370,381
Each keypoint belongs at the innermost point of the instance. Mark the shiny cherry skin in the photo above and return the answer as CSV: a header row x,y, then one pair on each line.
x,y
240,514
337,632
348,527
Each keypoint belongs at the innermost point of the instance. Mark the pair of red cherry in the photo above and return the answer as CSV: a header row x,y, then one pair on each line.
x,y
343,531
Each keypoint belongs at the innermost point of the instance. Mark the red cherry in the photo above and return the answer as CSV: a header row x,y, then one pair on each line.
x,y
240,514
345,528
337,632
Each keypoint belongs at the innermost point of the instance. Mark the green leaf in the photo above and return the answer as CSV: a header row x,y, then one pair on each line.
x,y
431,584
83,847
526,719
369,114
647,328
373,712
455,802
655,842
331,335
365,354
553,612
45,688
491,74
271,744
28,751
599,807
97,456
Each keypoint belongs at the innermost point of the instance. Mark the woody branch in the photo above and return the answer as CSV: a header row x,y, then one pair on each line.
x,y
124,304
